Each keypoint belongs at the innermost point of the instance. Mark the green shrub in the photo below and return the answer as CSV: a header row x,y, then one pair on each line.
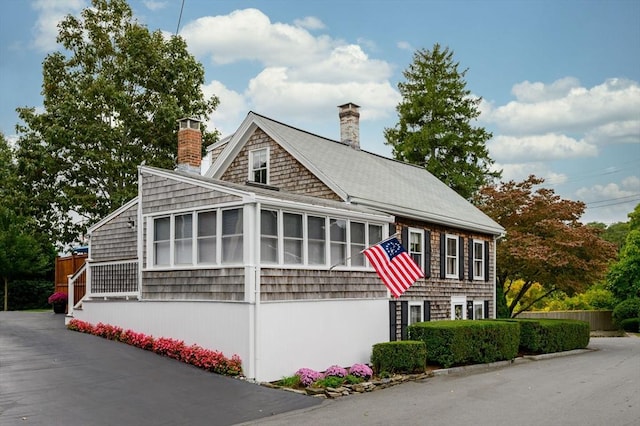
x,y
467,342
405,356
28,294
631,325
630,308
552,335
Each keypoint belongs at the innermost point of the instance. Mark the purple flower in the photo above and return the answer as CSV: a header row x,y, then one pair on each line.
x,y
308,376
335,371
361,370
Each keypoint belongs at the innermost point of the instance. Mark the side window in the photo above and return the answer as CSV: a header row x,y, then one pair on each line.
x,y
478,260
357,244
338,237
183,239
259,166
232,236
452,256
161,241
415,312
416,246
292,238
269,236
207,237
478,309
316,240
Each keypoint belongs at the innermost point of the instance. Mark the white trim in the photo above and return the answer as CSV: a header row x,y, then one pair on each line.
x,y
459,300
112,215
455,275
419,305
479,277
251,170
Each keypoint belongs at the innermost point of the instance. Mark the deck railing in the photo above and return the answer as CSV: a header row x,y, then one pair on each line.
x,y
113,279
77,288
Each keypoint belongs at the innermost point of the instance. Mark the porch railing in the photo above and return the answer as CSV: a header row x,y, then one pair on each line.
x,y
113,279
77,288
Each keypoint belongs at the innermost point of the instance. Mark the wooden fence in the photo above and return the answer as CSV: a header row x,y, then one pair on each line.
x,y
65,266
598,320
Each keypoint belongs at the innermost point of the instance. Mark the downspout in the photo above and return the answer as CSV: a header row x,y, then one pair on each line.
x,y
256,294
140,234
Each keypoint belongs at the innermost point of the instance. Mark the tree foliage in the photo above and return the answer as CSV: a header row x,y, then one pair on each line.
x,y
624,276
435,128
544,243
112,96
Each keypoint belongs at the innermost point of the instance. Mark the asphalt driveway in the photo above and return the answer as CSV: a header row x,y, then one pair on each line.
x,y
52,376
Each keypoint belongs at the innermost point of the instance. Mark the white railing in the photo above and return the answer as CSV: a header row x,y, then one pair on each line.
x,y
77,284
113,279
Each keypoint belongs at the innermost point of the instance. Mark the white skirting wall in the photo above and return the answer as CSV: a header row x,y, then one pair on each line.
x,y
286,336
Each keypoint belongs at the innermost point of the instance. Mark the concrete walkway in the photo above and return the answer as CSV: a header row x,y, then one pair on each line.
x,y
52,376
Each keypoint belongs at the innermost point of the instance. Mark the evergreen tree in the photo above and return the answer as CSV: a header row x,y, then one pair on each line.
x,y
435,128
112,96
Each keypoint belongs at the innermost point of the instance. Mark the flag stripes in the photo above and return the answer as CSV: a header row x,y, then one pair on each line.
x,y
397,271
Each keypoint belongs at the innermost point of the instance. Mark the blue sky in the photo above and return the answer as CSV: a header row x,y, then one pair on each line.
x,y
560,80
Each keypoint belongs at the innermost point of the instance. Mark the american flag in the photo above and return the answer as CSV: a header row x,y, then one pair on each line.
x,y
394,265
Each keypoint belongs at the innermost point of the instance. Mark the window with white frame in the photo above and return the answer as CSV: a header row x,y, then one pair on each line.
x,y
358,244
162,241
451,258
259,165
292,238
416,245
232,236
183,239
415,312
269,236
338,240
193,238
478,260
478,309
207,238
316,240
458,307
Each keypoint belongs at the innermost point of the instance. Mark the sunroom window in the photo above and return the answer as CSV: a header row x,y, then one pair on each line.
x,y
338,239
269,236
207,237
317,240
232,236
358,244
292,238
162,241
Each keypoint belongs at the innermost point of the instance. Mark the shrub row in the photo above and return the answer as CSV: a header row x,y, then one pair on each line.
x,y
631,325
195,355
405,356
451,343
552,335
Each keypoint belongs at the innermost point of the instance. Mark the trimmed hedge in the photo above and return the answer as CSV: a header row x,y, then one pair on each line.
x,y
629,308
552,335
405,356
467,342
631,325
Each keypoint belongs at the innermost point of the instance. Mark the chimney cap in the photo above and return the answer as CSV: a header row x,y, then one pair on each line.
x,y
189,123
348,105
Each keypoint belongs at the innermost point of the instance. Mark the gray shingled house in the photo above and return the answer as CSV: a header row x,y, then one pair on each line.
x,y
261,255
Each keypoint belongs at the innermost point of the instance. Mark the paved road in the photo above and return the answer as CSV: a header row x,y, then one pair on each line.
x,y
599,387
52,376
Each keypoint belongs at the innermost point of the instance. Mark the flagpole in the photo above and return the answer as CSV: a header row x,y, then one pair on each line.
x,y
362,251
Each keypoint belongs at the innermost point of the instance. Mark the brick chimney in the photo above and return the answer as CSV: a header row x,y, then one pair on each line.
x,y
350,124
189,145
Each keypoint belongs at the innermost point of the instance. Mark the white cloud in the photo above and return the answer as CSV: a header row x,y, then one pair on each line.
x,y
610,202
298,73
615,132
545,147
405,45
564,107
50,13
231,110
310,23
155,5
520,171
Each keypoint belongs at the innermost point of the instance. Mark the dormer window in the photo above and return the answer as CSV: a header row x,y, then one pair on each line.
x,y
259,166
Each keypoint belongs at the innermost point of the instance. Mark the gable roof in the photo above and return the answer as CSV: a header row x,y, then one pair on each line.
x,y
364,178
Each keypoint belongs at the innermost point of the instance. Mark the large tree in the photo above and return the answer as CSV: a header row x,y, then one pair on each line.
x,y
545,242
435,123
112,96
624,276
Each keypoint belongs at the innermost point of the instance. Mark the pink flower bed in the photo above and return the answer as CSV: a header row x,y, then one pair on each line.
x,y
195,355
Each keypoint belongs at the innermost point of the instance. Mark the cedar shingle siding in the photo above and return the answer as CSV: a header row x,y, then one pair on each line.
x,y
115,240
